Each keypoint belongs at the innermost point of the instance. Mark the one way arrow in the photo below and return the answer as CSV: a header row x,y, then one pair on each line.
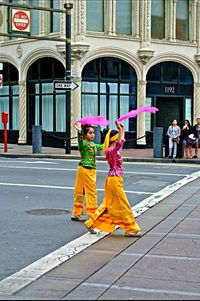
x,y
64,85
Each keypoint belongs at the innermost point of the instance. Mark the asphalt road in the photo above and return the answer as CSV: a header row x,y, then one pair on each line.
x,y
31,188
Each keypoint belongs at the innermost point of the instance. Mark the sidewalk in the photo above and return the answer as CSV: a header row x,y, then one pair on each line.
x,y
129,155
164,264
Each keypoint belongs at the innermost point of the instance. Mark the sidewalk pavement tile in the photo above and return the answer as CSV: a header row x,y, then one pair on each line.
x,y
49,288
144,288
188,227
177,247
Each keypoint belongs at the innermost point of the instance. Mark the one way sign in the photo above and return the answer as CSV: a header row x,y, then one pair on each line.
x,y
64,85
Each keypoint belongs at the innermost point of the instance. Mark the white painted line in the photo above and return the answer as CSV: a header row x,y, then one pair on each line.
x,y
64,187
142,290
99,171
26,276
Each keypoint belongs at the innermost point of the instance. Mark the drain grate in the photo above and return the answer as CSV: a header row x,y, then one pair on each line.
x,y
47,212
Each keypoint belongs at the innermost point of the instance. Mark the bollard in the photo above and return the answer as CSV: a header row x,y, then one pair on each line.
x,y
158,142
37,139
97,138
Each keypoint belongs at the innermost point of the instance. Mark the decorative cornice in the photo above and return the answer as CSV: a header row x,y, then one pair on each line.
x,y
145,55
79,50
197,59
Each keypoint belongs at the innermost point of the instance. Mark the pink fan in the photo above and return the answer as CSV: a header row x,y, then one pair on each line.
x,y
134,113
93,120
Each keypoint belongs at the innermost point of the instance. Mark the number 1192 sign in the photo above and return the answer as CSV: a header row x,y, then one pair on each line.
x,y
20,20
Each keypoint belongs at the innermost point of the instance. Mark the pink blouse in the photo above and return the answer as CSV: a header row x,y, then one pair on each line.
x,y
114,158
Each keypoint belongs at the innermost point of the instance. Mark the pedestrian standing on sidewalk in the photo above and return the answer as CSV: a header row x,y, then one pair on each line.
x,y
85,185
115,209
174,133
196,132
186,133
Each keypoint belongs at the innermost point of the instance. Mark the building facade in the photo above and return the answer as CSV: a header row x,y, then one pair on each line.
x,y
125,54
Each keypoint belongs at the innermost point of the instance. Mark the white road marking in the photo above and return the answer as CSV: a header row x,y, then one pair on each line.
x,y
142,290
26,276
98,170
64,187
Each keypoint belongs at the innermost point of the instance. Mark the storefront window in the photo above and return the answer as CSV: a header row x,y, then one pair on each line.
x,y
9,96
158,19
46,106
95,15
182,20
110,91
124,17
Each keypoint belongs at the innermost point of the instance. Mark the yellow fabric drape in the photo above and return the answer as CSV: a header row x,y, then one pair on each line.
x,y
115,209
107,140
85,186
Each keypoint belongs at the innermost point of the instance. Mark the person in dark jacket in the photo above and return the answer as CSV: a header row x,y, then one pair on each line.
x,y
188,143
196,132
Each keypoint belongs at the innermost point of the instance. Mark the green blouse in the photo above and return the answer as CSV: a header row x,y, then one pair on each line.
x,y
88,151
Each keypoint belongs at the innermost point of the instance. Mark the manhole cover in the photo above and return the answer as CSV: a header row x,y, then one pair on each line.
x,y
47,212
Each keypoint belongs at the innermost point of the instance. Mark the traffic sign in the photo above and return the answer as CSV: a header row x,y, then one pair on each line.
x,y
64,85
1,80
21,20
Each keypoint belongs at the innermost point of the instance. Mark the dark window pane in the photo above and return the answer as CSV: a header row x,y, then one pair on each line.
x,y
91,70
185,75
154,73
109,68
153,89
127,72
170,72
46,68
158,19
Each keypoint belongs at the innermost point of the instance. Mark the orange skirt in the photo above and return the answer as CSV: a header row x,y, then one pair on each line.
x,y
115,209
85,187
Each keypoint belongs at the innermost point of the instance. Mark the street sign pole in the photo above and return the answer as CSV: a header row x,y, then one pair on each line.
x,y
68,7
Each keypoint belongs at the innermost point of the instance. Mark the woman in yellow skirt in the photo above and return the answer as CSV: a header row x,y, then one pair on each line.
x,y
85,185
115,209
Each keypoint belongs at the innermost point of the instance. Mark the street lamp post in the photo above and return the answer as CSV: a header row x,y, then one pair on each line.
x,y
68,7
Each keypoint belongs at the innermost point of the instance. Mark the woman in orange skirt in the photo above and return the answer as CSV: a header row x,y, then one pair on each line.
x,y
115,209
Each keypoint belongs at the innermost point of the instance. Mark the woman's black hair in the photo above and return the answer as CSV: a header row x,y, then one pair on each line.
x,y
112,133
85,128
186,120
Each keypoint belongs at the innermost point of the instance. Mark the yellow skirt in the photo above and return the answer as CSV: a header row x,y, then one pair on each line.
x,y
115,209
85,187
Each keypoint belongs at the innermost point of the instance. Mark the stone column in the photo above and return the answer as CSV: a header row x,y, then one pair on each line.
x,y
75,107
22,113
137,16
170,19
196,102
194,21
141,131
111,17
44,19
4,27
174,21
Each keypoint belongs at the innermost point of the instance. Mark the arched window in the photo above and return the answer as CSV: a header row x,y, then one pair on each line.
x,y
109,88
170,88
95,15
158,19
182,20
9,96
46,107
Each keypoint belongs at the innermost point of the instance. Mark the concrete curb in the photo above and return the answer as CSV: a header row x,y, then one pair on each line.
x,y
102,158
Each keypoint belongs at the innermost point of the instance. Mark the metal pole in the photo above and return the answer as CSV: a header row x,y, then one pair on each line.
x,y
68,7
